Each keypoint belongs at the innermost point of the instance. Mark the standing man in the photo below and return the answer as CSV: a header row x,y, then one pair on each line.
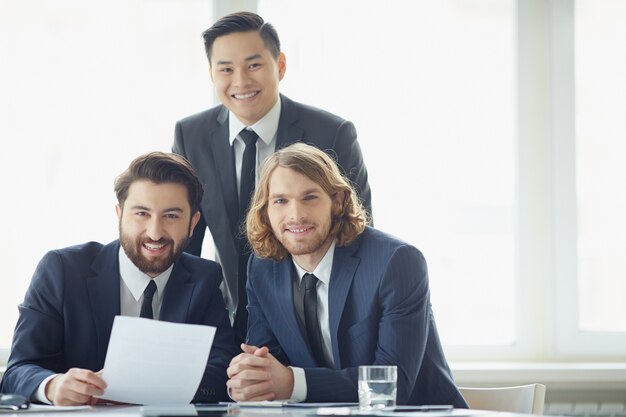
x,y
61,338
326,294
227,143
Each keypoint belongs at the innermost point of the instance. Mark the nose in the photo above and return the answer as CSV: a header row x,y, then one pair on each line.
x,y
241,78
295,211
154,229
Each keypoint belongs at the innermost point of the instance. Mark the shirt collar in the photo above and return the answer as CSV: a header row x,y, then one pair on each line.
x,y
266,128
323,269
137,281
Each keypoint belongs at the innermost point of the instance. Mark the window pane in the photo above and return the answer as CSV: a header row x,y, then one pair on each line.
x,y
600,149
85,86
430,88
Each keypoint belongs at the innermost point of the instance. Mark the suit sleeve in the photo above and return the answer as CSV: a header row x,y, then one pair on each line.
x,y
402,332
37,349
194,245
259,330
350,159
213,384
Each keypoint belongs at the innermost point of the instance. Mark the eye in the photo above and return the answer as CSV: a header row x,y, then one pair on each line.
x,y
171,216
254,66
280,201
142,213
226,70
309,197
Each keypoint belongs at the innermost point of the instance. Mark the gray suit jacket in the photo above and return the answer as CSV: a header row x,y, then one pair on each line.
x,y
203,140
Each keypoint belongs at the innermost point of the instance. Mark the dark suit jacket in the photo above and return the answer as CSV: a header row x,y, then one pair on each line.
x,y
66,318
379,313
203,140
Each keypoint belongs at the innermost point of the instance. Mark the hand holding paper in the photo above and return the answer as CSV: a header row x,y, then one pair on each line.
x,y
155,362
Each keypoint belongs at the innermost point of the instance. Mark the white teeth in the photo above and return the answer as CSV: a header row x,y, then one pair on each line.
x,y
298,230
245,96
152,246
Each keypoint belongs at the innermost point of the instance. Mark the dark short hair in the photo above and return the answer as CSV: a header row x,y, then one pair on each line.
x,y
242,22
160,168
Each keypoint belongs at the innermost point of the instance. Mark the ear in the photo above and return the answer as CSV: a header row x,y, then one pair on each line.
x,y
338,200
194,221
118,211
211,73
282,65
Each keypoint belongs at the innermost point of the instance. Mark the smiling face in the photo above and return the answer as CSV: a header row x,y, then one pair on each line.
x,y
155,224
246,75
300,214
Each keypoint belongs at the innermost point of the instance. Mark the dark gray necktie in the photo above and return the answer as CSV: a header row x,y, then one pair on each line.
x,y
311,321
148,294
248,171
246,188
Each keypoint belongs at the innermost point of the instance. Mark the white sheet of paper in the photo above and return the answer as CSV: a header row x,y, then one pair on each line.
x,y
155,362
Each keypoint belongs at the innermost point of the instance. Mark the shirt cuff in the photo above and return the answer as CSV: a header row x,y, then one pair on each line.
x,y
40,394
299,385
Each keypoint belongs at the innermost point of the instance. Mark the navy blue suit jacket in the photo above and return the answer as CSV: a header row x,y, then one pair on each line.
x,y
379,313
66,318
203,140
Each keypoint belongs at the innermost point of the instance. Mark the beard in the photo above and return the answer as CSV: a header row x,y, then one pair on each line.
x,y
152,266
312,244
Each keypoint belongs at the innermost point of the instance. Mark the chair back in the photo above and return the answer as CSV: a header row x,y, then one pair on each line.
x,y
526,399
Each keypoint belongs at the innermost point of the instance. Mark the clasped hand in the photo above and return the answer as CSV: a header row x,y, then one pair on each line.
x,y
256,375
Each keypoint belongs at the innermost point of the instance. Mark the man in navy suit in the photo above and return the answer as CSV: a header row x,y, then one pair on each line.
x,y
365,299
62,334
246,67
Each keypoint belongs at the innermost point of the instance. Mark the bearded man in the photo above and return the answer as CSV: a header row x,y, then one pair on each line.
x,y
62,334
328,294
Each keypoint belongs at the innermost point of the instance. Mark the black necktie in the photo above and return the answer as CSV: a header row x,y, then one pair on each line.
x,y
248,164
311,321
146,306
246,188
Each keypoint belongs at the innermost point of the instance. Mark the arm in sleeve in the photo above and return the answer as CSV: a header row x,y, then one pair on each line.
x,y
350,159
401,336
37,349
194,245
213,384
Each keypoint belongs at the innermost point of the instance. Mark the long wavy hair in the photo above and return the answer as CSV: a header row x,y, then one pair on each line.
x,y
348,215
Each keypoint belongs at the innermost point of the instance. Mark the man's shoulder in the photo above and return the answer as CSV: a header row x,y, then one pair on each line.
x,y
205,116
382,243
200,267
82,252
309,113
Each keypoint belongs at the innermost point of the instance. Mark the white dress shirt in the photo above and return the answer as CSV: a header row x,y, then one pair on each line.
x,y
322,272
265,128
132,286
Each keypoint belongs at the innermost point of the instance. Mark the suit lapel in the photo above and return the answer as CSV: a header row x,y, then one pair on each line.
x,y
292,339
288,132
224,161
177,296
104,294
345,264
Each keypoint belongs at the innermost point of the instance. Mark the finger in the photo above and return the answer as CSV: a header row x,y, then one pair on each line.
x,y
87,377
253,374
263,351
258,390
248,348
252,361
238,358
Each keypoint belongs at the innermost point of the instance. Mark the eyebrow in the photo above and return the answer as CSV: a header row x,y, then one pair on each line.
x,y
168,210
247,59
306,192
